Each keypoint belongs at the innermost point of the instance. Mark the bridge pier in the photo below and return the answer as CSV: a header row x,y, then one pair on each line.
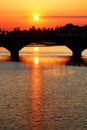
x,y
14,55
76,56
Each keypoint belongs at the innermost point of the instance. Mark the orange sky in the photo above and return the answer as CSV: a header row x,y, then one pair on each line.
x,y
15,13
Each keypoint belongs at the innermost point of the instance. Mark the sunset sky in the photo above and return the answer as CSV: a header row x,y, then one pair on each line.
x,y
19,13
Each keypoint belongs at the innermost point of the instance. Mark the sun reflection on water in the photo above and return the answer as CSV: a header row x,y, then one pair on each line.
x,y
36,100
36,60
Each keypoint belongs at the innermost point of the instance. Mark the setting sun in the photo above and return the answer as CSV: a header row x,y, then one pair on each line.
x,y
42,13
36,17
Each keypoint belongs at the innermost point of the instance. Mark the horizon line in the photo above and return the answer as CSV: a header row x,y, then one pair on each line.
x,y
51,16
57,16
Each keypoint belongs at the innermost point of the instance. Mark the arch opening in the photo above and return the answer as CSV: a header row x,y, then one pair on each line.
x,y
4,54
45,54
64,51
27,50
84,52
52,50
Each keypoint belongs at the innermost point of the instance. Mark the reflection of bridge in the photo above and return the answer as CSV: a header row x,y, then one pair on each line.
x,y
15,43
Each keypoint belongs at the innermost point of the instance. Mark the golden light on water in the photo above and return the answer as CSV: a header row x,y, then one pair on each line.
x,y
41,56
36,100
36,60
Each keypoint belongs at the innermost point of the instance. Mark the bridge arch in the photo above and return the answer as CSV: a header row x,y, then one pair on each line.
x,y
66,50
84,52
59,50
25,50
4,54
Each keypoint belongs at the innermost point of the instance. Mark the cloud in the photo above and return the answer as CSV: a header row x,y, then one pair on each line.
x,y
56,17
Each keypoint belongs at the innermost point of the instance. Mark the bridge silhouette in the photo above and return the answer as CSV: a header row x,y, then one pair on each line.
x,y
74,37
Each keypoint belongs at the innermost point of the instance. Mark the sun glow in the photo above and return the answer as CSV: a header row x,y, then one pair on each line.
x,y
36,17
36,48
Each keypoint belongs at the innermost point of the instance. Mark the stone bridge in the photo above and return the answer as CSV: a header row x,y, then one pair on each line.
x,y
14,43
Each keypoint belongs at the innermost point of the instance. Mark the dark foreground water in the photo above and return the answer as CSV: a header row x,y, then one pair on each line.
x,y
41,94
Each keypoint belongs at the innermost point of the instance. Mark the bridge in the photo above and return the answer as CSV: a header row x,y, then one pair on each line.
x,y
16,40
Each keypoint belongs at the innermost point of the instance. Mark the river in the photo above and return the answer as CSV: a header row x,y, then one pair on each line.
x,y
42,91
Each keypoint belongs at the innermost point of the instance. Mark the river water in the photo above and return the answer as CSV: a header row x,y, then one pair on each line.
x,y
42,92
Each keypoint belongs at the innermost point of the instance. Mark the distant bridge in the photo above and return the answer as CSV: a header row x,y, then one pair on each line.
x,y
14,43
